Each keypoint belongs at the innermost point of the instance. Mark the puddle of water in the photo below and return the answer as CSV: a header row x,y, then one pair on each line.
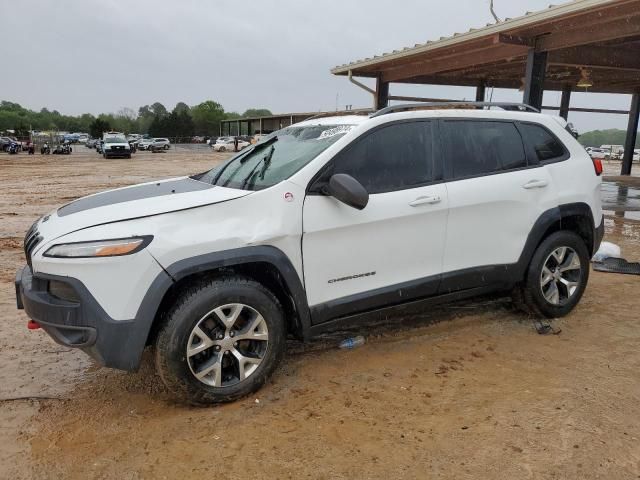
x,y
621,199
627,215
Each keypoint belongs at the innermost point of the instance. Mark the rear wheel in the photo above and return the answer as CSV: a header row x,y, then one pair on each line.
x,y
221,341
557,276
222,149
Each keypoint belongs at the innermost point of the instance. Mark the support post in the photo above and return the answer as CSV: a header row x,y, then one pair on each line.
x,y
382,94
534,78
481,91
237,128
565,102
260,125
632,134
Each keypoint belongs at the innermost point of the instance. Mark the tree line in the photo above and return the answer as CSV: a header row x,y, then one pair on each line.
x,y
611,136
183,121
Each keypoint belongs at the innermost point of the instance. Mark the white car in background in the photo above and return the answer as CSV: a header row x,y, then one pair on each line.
x,y
115,146
159,143
597,152
226,144
144,143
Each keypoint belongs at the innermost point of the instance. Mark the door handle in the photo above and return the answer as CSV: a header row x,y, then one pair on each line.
x,y
428,200
535,184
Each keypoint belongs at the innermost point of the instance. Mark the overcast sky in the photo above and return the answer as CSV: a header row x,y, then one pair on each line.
x,y
80,56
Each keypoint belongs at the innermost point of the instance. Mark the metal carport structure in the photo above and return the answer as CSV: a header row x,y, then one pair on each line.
x,y
584,42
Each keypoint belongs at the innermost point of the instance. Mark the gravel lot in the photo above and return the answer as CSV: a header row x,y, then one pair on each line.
x,y
463,391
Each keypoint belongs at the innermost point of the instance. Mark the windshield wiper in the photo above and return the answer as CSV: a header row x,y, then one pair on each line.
x,y
265,161
244,156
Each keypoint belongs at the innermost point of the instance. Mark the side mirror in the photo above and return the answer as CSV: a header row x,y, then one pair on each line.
x,y
348,190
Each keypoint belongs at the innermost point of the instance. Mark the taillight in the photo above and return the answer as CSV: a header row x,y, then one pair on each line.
x,y
597,165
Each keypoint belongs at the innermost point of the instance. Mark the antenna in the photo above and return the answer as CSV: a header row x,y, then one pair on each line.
x,y
493,12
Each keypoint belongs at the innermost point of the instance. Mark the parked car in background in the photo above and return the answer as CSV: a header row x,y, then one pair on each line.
x,y
215,140
91,143
597,152
115,146
160,143
228,145
143,143
5,142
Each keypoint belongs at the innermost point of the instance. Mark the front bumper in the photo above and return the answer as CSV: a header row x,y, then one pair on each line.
x,y
117,153
80,324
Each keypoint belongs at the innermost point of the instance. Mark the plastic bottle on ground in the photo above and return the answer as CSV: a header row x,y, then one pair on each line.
x,y
352,342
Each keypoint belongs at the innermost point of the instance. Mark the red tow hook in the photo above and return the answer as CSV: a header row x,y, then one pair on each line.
x,y
31,325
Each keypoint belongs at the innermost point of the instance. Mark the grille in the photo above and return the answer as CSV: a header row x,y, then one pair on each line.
x,y
31,240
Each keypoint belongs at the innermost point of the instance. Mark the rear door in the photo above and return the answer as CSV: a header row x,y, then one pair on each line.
x,y
391,251
496,194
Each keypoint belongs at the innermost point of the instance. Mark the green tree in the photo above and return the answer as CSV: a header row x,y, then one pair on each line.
x,y
207,117
159,109
257,112
98,127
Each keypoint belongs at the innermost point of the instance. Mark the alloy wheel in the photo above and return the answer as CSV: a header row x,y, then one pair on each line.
x,y
560,276
227,345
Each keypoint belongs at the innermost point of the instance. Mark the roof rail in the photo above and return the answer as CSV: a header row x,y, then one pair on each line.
x,y
341,113
520,107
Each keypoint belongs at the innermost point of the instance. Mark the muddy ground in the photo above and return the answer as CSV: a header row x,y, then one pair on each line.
x,y
463,391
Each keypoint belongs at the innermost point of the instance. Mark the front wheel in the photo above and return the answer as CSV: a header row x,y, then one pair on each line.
x,y
557,275
221,341
166,147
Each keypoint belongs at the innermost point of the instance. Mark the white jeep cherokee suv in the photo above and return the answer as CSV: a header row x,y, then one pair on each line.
x,y
316,226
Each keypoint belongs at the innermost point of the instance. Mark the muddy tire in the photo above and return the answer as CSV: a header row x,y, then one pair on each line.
x,y
220,341
222,149
556,278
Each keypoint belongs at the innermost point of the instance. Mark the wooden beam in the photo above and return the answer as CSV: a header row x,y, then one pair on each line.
x,y
565,101
455,62
632,135
534,78
583,36
513,40
382,94
589,110
481,91
610,58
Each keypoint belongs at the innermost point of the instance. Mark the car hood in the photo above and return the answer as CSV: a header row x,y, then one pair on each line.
x,y
143,200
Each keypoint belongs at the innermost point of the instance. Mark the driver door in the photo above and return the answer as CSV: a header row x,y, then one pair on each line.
x,y
392,250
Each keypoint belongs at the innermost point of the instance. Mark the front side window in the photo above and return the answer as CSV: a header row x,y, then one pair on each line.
x,y
394,157
473,147
275,158
545,145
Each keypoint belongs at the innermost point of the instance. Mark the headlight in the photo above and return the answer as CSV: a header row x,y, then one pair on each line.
x,y
99,248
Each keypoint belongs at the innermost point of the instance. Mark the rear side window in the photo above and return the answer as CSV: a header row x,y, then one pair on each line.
x,y
395,157
542,143
474,148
